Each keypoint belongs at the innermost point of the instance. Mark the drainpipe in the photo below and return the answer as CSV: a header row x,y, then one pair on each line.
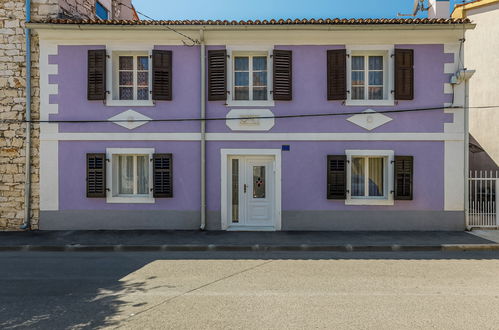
x,y
27,167
203,130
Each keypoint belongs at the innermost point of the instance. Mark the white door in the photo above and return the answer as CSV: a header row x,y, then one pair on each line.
x,y
252,203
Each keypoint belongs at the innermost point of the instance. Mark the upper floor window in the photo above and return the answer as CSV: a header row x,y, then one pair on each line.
x,y
250,78
101,11
370,74
131,77
367,77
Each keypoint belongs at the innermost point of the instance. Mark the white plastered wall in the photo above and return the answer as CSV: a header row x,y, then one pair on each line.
x,y
481,51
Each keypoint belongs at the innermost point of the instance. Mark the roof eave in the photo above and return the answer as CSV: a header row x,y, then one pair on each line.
x,y
86,27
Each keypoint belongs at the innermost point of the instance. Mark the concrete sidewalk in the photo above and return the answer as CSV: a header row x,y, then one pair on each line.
x,y
241,241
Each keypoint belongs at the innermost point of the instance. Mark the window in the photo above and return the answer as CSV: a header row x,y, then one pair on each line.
x,y
370,75
370,177
131,175
101,11
131,78
367,77
249,76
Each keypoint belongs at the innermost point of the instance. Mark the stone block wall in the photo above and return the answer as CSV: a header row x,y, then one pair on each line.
x,y
13,107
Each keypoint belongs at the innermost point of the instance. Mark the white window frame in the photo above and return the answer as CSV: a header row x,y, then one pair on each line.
x,y
387,51
389,155
112,176
112,76
249,51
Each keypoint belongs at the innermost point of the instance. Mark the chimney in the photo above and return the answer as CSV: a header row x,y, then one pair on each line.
x,y
439,9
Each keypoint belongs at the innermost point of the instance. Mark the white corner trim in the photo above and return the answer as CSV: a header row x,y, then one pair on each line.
x,y
254,136
224,154
49,149
457,124
49,175
48,49
389,181
110,176
251,121
453,176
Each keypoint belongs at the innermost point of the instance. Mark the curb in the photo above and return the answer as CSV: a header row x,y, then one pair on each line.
x,y
249,248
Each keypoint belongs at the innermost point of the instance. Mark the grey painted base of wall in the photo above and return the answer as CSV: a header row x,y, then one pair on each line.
x,y
126,220
291,220
373,220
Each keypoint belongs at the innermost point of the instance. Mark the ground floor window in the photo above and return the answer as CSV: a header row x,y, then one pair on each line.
x,y
369,176
131,175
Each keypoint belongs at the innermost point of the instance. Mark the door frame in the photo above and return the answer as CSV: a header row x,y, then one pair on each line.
x,y
224,182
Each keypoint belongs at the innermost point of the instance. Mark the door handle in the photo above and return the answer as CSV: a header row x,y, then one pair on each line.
x,y
245,187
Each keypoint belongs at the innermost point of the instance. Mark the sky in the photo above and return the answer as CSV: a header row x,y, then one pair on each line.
x,y
266,9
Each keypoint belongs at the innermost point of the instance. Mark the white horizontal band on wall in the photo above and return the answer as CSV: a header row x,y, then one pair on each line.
x,y
253,137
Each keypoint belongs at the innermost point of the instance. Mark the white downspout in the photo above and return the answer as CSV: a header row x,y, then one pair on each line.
x,y
203,130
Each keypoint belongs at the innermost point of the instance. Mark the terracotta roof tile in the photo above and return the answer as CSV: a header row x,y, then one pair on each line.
x,y
326,21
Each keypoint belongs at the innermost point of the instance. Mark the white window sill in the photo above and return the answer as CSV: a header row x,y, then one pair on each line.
x,y
232,103
121,103
130,200
371,103
369,201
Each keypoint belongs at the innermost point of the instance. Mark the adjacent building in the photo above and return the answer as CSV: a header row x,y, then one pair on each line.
x,y
480,50
323,124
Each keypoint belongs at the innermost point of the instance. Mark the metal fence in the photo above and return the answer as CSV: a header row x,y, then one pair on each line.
x,y
483,198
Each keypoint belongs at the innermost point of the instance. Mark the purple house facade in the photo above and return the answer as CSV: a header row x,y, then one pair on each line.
x,y
292,125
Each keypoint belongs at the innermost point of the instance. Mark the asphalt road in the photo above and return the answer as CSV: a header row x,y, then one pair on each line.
x,y
227,290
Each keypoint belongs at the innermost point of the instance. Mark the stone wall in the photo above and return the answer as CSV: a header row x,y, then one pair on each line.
x,y
13,107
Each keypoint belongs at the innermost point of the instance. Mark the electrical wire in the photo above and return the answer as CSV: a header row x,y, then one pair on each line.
x,y
309,115
194,41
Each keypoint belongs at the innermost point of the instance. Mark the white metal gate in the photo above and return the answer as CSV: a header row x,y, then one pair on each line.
x,y
483,199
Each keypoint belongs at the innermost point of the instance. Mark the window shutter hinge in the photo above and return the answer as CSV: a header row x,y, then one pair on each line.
x,y
392,55
107,189
108,160
392,91
348,55
108,56
392,191
392,161
108,92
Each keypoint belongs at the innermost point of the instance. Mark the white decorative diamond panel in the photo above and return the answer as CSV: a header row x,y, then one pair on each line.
x,y
369,119
130,119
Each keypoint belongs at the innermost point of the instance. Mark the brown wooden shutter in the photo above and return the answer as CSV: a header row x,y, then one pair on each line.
x,y
404,74
283,80
337,74
96,175
404,172
96,75
336,177
217,75
162,75
162,175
